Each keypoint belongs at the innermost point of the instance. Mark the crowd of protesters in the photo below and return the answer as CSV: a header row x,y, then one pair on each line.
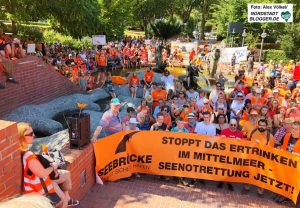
x,y
264,108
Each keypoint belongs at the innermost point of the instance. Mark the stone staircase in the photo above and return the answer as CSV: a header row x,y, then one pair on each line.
x,y
38,83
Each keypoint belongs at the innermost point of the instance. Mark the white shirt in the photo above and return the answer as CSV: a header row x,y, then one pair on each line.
x,y
200,102
213,96
236,106
169,82
202,128
192,95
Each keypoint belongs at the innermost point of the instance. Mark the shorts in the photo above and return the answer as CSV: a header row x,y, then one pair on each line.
x,y
2,46
143,82
102,69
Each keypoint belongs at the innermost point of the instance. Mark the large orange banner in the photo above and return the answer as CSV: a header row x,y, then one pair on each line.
x,y
197,156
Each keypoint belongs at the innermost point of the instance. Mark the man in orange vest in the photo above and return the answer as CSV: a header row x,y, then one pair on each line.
x,y
291,143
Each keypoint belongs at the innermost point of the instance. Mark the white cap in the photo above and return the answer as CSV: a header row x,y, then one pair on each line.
x,y
276,90
258,90
133,121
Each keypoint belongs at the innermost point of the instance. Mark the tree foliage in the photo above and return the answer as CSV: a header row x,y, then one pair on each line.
x,y
165,28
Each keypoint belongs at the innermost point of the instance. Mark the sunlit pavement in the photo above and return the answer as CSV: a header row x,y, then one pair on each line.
x,y
151,192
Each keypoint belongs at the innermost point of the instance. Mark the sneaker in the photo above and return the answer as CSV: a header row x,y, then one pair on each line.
x,y
12,80
137,175
220,185
73,203
2,86
230,187
260,195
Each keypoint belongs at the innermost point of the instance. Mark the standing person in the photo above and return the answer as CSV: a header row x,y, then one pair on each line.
x,y
291,143
233,62
147,82
101,59
110,121
251,124
179,126
221,123
262,136
231,132
130,114
168,80
191,124
134,82
159,125
205,127
191,93
237,107
158,94
132,124
250,64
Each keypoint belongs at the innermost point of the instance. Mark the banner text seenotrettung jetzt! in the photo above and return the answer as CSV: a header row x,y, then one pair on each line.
x,y
197,156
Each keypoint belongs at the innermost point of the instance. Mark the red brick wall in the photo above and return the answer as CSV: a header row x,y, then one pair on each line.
x,y
10,160
10,164
38,83
80,160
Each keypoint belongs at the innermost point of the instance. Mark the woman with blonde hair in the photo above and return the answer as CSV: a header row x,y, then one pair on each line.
x,y
36,178
27,201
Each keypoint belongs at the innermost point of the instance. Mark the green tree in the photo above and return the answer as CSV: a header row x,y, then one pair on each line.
x,y
165,28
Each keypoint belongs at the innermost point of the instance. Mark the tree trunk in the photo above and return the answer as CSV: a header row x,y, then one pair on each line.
x,y
202,25
14,27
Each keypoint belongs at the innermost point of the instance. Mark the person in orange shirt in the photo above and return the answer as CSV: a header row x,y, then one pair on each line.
x,y
296,90
75,73
134,82
251,124
291,143
185,112
101,60
257,101
148,78
78,60
192,55
260,136
158,94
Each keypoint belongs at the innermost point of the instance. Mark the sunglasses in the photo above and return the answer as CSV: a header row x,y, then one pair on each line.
x,y
233,125
239,96
165,110
30,134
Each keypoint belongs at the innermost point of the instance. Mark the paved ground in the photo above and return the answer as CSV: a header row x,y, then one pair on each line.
x,y
151,192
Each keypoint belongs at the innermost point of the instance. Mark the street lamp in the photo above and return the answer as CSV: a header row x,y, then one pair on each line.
x,y
263,36
244,35
233,32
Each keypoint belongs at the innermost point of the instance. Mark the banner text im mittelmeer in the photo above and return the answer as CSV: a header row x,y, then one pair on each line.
x,y
196,156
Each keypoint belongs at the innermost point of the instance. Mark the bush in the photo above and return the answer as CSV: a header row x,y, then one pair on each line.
x,y
28,32
50,37
275,55
266,46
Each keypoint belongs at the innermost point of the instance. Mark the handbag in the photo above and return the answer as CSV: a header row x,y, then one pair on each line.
x,y
53,197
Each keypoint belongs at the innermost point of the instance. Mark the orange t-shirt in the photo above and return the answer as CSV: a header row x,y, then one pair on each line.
x,y
101,59
134,80
148,76
157,95
167,120
257,101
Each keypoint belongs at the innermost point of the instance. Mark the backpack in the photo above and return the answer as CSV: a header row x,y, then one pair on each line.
x,y
268,135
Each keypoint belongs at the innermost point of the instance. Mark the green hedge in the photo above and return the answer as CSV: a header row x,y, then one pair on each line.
x,y
275,55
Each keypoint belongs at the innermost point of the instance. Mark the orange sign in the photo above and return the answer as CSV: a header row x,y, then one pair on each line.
x,y
197,156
